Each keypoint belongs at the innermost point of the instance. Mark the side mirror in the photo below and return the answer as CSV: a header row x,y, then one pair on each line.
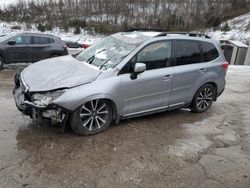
x,y
139,68
11,42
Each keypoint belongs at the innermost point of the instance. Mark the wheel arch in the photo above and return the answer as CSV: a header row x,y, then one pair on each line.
x,y
114,103
208,82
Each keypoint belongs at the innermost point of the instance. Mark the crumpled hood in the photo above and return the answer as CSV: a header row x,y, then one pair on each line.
x,y
57,73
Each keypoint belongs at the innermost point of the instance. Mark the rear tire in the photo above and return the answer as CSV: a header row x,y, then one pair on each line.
x,y
203,99
1,63
92,117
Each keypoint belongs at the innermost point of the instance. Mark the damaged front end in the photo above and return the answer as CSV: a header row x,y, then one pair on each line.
x,y
39,105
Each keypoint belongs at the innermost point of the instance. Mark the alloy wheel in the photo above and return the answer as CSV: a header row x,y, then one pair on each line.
x,y
94,114
205,98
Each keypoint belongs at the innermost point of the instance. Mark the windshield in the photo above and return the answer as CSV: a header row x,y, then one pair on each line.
x,y
3,38
107,53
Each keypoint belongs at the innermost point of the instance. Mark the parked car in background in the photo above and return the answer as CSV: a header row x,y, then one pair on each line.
x,y
71,44
29,47
125,75
86,45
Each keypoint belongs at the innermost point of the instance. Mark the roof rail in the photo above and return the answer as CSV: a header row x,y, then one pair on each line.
x,y
185,33
144,29
164,33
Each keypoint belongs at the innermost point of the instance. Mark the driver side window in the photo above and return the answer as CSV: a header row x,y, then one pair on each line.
x,y
23,40
156,55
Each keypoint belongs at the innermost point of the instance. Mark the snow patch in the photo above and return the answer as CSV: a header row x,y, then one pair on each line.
x,y
239,29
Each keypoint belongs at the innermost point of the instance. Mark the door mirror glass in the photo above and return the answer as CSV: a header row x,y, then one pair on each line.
x,y
140,67
11,42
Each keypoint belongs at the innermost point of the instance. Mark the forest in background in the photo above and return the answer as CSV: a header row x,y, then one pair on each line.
x,y
109,16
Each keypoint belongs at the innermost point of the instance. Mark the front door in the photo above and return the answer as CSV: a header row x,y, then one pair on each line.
x,y
151,89
19,52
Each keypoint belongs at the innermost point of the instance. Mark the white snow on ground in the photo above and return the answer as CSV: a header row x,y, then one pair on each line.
x,y
239,29
239,68
84,37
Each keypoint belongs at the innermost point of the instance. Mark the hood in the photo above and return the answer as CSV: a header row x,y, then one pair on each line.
x,y
57,73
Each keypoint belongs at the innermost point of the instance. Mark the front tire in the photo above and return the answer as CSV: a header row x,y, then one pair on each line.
x,y
1,63
203,99
92,117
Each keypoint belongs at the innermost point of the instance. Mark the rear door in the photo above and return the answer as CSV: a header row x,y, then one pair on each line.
x,y
19,52
41,47
188,69
151,90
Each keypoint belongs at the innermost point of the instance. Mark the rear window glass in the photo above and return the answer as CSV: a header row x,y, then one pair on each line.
x,y
187,52
42,40
210,52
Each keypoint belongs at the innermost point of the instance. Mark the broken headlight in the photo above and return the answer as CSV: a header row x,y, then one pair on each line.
x,y
46,98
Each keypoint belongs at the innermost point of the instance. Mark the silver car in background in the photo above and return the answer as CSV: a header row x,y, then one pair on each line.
x,y
128,74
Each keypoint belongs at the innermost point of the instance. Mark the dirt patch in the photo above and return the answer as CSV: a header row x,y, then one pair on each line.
x,y
174,149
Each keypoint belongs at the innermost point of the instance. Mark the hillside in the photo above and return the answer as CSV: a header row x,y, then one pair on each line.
x,y
234,29
238,29
105,16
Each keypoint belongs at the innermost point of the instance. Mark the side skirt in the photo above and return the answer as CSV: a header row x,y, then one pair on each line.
x,y
153,111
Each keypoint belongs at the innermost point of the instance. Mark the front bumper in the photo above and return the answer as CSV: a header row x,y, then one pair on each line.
x,y
25,105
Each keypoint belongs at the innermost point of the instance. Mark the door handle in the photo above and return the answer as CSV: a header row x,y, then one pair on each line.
x,y
202,70
167,77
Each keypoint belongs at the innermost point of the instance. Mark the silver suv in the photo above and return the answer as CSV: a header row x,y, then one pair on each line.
x,y
125,75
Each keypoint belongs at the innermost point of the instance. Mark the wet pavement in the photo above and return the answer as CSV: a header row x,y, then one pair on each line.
x,y
173,149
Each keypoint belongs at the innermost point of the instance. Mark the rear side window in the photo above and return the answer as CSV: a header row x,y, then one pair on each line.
x,y
210,52
42,40
187,52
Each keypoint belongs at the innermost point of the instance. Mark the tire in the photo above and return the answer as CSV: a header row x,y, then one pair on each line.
x,y
1,63
203,99
92,117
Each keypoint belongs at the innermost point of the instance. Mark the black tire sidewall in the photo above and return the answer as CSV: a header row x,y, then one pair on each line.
x,y
1,63
76,123
194,103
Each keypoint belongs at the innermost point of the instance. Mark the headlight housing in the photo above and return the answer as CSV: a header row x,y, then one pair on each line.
x,y
44,99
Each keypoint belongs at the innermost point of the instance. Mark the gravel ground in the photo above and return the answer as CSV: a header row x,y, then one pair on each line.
x,y
172,149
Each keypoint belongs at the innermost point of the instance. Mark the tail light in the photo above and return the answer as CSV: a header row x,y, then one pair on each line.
x,y
85,45
225,66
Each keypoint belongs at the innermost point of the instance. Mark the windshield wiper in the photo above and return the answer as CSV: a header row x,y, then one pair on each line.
x,y
109,60
91,59
104,63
